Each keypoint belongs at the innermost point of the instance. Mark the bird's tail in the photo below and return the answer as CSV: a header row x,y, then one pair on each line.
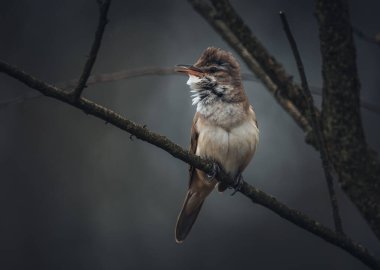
x,y
189,213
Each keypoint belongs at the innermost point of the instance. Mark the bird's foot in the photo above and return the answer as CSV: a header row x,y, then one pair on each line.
x,y
215,171
238,183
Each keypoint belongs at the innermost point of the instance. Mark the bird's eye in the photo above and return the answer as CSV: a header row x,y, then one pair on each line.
x,y
213,69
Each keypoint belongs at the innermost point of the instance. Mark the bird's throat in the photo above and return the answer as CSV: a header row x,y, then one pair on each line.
x,y
193,81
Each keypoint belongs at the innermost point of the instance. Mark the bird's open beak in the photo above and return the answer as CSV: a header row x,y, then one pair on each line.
x,y
189,69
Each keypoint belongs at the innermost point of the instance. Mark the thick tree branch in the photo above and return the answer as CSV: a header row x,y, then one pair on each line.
x,y
315,124
356,164
103,10
224,19
256,195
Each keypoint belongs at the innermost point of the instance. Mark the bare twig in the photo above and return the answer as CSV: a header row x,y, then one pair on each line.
x,y
327,168
103,9
135,73
30,96
360,34
122,75
143,133
151,71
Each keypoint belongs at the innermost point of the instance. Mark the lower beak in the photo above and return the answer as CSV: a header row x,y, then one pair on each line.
x,y
189,69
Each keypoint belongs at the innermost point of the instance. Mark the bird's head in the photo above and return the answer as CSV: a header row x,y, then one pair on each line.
x,y
214,76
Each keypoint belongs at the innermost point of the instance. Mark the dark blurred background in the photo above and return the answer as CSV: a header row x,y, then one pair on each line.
x,y
78,194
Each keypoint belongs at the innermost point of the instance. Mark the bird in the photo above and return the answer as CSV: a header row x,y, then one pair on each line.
x,y
224,129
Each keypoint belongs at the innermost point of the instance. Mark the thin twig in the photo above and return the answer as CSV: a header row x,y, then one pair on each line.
x,y
152,71
103,9
12,101
360,34
122,75
143,133
327,168
135,73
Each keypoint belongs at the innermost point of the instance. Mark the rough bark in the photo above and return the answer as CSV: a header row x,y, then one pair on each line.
x,y
357,166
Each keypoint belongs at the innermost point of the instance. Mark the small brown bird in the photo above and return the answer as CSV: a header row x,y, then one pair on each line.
x,y
224,128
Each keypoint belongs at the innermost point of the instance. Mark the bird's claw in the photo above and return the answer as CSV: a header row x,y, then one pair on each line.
x,y
238,183
215,171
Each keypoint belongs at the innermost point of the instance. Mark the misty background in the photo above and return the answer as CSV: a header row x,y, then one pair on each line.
x,y
79,194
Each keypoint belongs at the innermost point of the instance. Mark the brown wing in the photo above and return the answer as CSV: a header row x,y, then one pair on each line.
x,y
193,143
197,193
192,204
254,116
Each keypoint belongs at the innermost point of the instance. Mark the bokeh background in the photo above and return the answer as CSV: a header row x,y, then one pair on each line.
x,y
76,193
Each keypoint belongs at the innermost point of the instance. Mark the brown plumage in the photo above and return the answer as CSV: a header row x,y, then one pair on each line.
x,y
224,128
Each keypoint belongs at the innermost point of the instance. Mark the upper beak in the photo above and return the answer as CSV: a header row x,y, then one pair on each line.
x,y
190,70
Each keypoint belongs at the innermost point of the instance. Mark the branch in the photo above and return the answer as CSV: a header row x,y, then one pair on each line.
x,y
360,34
141,132
356,164
122,75
224,19
29,96
135,73
316,125
152,71
103,9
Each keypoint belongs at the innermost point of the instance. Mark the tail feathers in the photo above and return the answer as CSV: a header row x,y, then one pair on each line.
x,y
188,215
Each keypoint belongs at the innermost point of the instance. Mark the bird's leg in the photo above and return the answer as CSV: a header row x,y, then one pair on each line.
x,y
238,183
215,171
